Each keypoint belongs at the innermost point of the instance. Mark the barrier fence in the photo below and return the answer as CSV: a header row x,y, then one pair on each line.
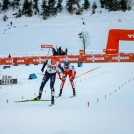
x,y
92,58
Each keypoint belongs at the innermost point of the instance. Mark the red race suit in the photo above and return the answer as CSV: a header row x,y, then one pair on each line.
x,y
71,73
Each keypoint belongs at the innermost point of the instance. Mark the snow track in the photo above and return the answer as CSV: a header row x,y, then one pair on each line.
x,y
113,113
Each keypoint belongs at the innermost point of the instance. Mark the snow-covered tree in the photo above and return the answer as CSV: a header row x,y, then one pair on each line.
x,y
102,2
72,5
59,6
5,5
0,6
45,10
94,6
19,14
86,4
27,8
85,39
123,5
52,8
35,6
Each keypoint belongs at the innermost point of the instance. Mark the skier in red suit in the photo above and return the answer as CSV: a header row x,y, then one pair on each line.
x,y
69,71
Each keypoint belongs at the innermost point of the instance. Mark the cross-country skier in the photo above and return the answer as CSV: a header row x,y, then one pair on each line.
x,y
52,67
69,71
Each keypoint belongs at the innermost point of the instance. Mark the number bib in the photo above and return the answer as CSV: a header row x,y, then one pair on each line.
x,y
52,68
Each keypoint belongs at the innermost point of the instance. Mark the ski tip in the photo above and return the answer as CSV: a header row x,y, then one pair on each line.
x,y
31,101
72,96
57,96
51,105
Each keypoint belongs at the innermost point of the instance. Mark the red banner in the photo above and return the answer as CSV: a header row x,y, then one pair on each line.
x,y
46,46
6,61
121,58
21,60
95,58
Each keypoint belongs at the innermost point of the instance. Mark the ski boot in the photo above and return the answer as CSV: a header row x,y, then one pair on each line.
x,y
60,92
74,93
52,96
38,97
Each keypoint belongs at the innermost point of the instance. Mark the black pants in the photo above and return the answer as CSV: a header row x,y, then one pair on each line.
x,y
46,77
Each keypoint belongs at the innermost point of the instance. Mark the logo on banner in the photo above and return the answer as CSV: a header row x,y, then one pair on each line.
x,y
6,79
69,59
39,60
93,59
9,61
120,58
131,35
20,61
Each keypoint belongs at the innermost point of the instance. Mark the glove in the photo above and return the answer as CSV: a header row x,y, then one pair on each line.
x,y
42,70
72,78
63,78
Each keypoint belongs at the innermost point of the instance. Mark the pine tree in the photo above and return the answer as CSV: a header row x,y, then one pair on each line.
x,y
86,4
0,6
45,10
69,6
115,5
27,8
5,5
17,3
102,2
5,18
59,6
110,5
51,6
35,7
123,5
14,4
94,6
19,14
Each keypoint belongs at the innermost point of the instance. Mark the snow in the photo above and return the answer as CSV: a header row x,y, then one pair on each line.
x,y
112,83
62,31
113,115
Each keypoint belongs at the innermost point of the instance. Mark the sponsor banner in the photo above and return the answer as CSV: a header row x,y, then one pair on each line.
x,y
6,61
37,60
46,46
6,80
121,58
21,60
95,58
0,62
126,58
70,58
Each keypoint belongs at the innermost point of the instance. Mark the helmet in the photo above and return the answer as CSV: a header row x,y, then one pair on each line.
x,y
54,58
66,65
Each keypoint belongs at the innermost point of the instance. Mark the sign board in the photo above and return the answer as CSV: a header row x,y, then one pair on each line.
x,y
6,80
46,46
81,52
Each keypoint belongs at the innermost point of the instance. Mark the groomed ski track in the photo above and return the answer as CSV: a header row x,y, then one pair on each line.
x,y
111,84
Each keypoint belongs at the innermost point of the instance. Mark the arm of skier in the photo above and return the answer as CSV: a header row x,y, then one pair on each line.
x,y
73,75
42,70
59,75
61,68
